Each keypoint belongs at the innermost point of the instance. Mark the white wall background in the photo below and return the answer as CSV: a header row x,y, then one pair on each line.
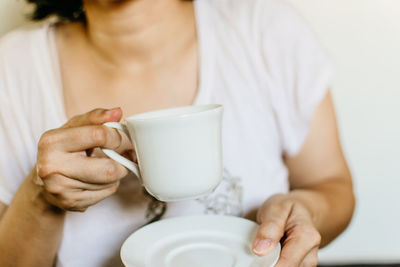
x,y
363,38
12,14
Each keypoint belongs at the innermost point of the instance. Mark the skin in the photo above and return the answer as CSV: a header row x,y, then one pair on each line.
x,y
34,220
146,51
321,201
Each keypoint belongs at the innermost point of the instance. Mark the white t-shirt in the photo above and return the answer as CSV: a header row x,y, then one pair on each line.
x,y
257,57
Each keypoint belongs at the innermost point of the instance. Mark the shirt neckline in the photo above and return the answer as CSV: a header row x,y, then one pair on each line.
x,y
205,43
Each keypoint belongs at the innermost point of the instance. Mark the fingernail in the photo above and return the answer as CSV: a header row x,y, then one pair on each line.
x,y
110,111
261,246
113,114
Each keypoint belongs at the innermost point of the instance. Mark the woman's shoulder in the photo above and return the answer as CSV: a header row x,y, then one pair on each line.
x,y
253,10
24,61
20,45
255,20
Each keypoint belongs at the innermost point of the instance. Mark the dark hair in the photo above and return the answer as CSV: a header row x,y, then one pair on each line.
x,y
70,10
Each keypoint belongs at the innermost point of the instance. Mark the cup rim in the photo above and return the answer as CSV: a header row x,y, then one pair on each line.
x,y
176,112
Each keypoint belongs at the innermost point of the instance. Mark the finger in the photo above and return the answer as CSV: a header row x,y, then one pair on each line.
x,y
95,170
83,138
301,240
89,198
273,219
125,150
57,184
311,260
125,147
80,200
82,168
95,117
53,200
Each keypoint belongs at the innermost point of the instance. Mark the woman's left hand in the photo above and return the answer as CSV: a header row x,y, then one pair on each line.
x,y
282,216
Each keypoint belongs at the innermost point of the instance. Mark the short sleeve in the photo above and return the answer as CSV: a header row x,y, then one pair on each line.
x,y
300,71
17,148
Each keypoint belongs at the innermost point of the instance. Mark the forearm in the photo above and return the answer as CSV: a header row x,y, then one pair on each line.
x,y
30,229
331,204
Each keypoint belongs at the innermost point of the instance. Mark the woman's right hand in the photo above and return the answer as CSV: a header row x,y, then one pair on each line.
x,y
71,179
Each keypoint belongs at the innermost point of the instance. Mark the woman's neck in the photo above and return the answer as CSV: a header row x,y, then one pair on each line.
x,y
139,32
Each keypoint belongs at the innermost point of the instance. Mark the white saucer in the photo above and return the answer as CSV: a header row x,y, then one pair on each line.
x,y
196,241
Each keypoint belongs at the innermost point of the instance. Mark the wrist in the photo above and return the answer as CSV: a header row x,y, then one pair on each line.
x,y
35,195
314,202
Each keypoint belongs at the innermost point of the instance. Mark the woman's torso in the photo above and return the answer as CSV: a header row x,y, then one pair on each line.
x,y
233,71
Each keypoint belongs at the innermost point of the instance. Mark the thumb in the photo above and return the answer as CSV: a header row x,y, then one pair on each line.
x,y
272,218
95,117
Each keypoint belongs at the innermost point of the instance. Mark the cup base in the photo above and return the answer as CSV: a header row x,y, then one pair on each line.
x,y
172,199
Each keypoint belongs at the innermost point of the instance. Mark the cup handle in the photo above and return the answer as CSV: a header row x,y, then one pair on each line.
x,y
130,165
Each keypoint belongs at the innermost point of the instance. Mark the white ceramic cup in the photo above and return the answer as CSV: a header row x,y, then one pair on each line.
x,y
179,150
